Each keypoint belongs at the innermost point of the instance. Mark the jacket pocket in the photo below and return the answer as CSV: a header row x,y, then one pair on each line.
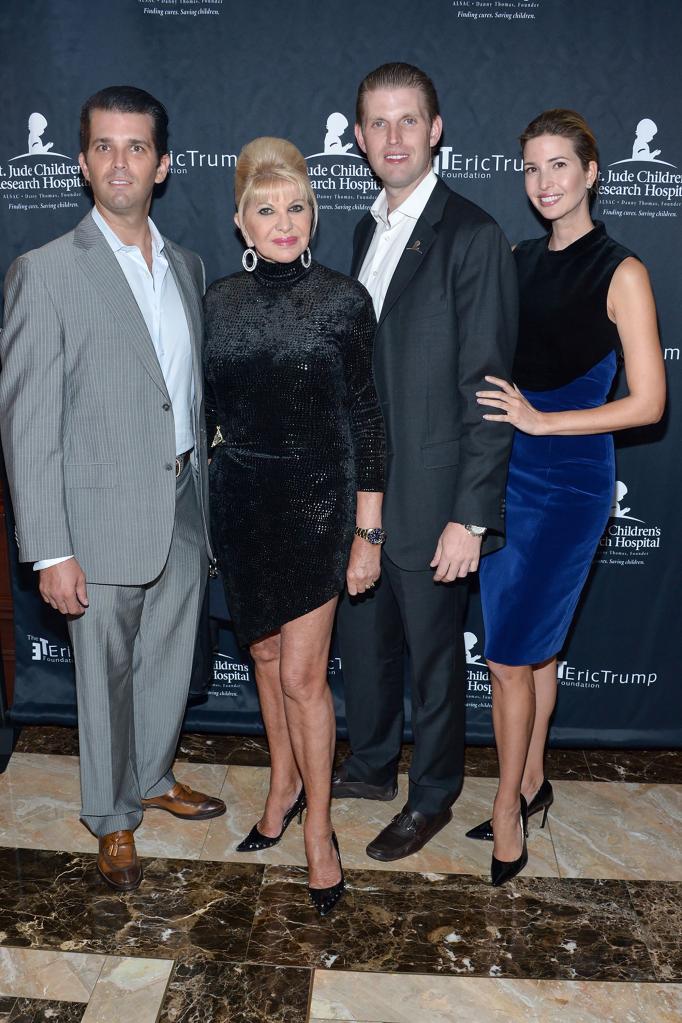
x,y
89,475
440,454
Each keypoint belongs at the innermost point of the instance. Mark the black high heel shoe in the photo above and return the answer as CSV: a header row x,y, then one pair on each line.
x,y
502,871
542,800
324,899
255,840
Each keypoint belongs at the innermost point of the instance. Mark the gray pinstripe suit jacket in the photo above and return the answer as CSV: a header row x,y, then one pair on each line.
x,y
85,417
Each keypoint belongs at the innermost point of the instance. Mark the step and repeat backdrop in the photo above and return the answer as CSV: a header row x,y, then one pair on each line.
x,y
229,70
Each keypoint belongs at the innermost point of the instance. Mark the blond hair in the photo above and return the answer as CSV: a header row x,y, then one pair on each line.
x,y
266,164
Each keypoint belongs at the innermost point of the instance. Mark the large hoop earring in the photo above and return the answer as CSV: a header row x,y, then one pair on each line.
x,y
249,260
306,258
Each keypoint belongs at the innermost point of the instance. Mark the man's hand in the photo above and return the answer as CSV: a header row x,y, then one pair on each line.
x,y
364,566
63,587
457,554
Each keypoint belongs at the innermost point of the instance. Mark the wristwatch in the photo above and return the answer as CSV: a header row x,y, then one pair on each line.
x,y
374,536
476,530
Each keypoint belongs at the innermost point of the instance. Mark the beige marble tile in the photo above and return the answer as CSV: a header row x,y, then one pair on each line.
x,y
129,990
618,830
410,998
357,821
40,801
58,976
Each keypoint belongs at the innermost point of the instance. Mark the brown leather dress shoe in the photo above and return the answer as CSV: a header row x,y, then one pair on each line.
x,y
117,861
185,803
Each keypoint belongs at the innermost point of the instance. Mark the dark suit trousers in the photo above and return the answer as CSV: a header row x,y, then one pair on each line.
x,y
406,609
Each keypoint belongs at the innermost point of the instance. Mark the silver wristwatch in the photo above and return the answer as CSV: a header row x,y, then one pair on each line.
x,y
476,530
373,536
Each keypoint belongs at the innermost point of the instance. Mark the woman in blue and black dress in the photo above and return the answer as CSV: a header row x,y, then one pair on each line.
x,y
585,300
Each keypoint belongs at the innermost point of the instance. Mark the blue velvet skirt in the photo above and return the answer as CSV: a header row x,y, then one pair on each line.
x,y
559,494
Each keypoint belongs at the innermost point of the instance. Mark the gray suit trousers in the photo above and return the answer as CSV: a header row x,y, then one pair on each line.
x,y
133,650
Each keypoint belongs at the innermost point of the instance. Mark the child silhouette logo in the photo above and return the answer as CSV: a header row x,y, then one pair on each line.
x,y
37,123
644,133
36,126
617,512
471,641
336,126
641,151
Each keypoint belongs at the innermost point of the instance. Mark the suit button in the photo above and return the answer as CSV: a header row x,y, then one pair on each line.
x,y
165,406
169,466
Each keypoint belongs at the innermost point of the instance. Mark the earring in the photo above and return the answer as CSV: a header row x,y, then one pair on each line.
x,y
306,258
249,260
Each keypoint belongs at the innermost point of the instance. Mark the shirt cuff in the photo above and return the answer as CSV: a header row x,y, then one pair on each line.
x,y
49,562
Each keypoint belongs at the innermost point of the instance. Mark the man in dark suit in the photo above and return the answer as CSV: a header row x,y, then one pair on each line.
x,y
443,281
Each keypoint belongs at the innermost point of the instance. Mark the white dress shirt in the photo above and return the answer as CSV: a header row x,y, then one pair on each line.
x,y
159,301
391,235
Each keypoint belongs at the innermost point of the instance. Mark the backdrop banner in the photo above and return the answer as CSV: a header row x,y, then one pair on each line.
x,y
229,71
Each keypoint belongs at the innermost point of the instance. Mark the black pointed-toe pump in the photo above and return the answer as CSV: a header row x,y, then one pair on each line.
x,y
324,899
502,871
255,840
542,800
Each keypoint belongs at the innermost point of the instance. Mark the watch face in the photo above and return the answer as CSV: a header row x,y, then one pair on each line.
x,y
375,535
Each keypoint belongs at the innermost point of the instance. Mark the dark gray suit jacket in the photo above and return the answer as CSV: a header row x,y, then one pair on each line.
x,y
87,427
448,320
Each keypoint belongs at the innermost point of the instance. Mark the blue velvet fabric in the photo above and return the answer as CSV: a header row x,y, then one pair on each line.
x,y
559,494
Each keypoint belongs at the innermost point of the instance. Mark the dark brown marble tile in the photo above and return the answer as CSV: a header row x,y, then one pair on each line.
x,y
210,992
240,750
655,766
560,764
48,739
183,907
535,928
658,905
37,1010
6,1006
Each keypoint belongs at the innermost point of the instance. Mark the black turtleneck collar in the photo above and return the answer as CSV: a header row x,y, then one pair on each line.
x,y
277,274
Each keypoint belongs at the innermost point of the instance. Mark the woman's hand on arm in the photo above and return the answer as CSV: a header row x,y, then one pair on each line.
x,y
631,306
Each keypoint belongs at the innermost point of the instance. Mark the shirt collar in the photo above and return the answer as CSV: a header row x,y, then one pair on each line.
x,y
412,207
115,242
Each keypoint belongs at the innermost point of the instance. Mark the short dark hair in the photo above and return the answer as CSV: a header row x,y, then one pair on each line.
x,y
569,125
127,99
398,76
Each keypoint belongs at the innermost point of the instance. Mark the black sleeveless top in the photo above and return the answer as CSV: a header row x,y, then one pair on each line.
x,y
564,329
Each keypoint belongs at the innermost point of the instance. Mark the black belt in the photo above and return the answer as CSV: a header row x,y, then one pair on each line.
x,y
180,462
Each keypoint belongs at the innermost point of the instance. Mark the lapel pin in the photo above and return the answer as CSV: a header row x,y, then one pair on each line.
x,y
415,247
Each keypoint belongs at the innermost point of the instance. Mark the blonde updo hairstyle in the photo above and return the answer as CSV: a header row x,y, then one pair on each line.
x,y
263,166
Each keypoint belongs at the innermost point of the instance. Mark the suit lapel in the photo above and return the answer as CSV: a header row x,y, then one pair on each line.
x,y
190,301
98,262
414,253
421,240
365,233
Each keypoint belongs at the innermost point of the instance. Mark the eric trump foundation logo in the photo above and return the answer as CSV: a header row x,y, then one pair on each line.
x,y
40,176
643,183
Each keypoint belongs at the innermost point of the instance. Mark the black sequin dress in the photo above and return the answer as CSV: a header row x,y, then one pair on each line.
x,y
288,365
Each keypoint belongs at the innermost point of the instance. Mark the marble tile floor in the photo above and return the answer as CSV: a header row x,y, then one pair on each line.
x,y
592,930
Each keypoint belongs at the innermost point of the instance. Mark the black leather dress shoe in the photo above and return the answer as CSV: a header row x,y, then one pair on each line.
x,y
345,788
408,832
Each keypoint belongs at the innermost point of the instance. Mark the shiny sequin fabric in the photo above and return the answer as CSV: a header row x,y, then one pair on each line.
x,y
288,364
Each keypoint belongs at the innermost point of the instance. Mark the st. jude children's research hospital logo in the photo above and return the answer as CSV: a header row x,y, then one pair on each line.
x,y
628,539
40,177
642,184
341,179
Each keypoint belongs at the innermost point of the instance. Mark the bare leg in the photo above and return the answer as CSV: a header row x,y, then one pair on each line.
x,y
545,677
310,716
513,715
285,779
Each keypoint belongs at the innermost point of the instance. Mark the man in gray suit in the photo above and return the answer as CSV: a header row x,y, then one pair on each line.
x,y
103,434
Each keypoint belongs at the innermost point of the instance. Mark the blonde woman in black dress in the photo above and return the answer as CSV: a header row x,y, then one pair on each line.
x,y
296,484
